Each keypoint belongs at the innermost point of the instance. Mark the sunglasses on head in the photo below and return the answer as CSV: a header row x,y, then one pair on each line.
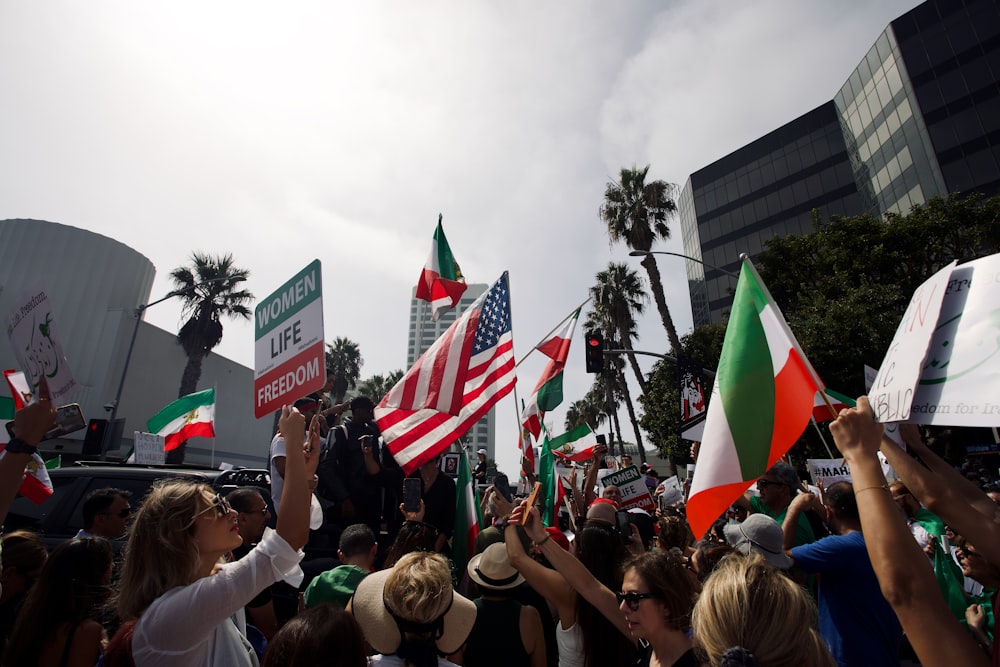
x,y
633,599
764,483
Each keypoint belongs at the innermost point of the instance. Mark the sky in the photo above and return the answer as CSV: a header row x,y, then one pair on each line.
x,y
286,132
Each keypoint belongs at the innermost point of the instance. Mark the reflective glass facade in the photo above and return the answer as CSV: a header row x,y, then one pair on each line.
x,y
918,117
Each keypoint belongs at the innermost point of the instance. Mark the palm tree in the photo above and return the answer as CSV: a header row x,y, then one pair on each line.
x,y
209,289
586,411
379,385
637,212
617,298
344,362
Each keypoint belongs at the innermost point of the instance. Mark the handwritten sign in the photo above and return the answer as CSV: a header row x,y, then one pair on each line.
x,y
894,386
148,448
32,333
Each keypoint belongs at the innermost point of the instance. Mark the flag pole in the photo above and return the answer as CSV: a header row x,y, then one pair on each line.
x,y
552,331
820,433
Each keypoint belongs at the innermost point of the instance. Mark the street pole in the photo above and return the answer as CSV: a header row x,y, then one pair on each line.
x,y
140,309
643,253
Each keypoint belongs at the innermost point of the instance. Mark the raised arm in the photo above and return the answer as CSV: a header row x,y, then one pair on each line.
x,y
800,503
575,573
946,493
31,423
549,583
301,458
901,567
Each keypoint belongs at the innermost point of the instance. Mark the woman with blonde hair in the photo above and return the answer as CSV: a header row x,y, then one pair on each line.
x,y
189,604
411,615
750,614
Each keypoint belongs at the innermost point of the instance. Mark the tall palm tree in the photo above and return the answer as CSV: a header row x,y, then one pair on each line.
x,y
636,212
586,411
210,290
344,362
618,298
379,385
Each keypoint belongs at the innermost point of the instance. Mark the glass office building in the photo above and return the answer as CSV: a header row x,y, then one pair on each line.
x,y
918,117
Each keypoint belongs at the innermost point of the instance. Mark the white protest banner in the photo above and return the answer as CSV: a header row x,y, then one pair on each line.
x,y
633,488
148,448
960,381
31,330
828,470
894,386
891,429
289,360
672,492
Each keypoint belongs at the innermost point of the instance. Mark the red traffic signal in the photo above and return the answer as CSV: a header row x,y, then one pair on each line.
x,y
595,353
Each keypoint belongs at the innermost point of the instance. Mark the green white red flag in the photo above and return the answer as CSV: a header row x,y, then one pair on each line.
x,y
548,392
36,485
821,411
552,488
441,282
761,402
185,418
468,520
575,445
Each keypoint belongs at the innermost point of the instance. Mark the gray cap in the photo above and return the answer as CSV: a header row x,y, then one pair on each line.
x,y
761,534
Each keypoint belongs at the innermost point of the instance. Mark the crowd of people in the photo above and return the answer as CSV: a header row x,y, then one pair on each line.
x,y
857,573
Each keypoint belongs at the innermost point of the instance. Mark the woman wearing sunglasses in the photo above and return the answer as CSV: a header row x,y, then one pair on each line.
x,y
653,607
189,604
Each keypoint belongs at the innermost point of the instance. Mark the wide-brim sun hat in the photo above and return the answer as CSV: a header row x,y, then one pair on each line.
x,y
492,569
761,534
381,629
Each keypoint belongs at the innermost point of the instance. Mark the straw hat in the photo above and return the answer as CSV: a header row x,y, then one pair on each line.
x,y
492,569
453,618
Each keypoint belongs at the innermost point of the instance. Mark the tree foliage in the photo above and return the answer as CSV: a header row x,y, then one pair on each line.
x,y
378,385
844,287
344,362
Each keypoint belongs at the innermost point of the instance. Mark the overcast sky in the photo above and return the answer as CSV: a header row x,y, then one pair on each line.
x,y
283,132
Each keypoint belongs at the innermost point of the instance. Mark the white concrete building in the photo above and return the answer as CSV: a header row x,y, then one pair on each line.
x,y
95,284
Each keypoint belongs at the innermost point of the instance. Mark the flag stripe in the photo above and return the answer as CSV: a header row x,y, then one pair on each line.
x,y
417,422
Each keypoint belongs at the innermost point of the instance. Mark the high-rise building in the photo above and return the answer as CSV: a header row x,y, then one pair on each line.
x,y
424,331
919,117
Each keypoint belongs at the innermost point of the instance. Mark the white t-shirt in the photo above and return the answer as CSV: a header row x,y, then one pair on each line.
x,y
277,481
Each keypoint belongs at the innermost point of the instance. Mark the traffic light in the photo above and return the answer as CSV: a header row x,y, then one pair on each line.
x,y
94,437
595,353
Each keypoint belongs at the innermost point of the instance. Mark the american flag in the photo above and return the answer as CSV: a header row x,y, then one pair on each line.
x,y
453,384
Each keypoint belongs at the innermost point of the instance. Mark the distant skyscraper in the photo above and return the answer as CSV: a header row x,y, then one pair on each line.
x,y
919,117
423,333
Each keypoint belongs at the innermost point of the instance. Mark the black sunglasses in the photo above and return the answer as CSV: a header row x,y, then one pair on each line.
x,y
764,483
219,504
633,599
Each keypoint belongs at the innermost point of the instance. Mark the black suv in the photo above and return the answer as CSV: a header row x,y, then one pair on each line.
x,y
61,515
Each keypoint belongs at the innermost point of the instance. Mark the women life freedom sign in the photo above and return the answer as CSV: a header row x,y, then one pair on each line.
x,y
943,366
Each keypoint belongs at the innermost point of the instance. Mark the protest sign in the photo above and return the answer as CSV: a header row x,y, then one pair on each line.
x,y
32,334
829,471
148,448
633,488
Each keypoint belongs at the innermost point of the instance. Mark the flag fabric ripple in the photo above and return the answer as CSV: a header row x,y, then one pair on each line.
x,y
761,402
453,384
441,282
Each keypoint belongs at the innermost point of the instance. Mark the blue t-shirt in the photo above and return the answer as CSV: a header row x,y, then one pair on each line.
x,y
854,619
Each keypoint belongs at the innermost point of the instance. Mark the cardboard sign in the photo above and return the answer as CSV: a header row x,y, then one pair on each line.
x,y
960,377
32,333
895,384
633,488
149,448
289,359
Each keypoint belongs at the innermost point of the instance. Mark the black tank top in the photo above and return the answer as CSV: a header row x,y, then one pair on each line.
x,y
495,640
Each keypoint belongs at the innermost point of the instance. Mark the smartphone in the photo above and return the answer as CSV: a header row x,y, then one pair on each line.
x,y
411,494
69,418
623,524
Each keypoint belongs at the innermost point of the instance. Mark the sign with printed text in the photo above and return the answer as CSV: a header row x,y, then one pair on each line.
x,y
633,488
32,333
829,471
289,359
894,386
148,448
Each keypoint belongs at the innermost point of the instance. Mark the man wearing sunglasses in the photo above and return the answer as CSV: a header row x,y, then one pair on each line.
x,y
777,487
106,513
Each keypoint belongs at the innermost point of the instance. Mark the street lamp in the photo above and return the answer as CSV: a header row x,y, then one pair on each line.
x,y
140,309
643,253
